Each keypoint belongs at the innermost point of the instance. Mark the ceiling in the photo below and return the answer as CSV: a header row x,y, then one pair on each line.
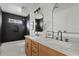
x,y
25,8
18,8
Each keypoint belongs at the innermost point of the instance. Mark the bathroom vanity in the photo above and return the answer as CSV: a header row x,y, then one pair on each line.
x,y
40,46
35,48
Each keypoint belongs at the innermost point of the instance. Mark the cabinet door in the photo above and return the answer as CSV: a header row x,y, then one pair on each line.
x,y
28,46
45,51
35,48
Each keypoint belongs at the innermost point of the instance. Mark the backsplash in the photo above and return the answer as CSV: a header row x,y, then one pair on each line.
x,y
72,38
71,35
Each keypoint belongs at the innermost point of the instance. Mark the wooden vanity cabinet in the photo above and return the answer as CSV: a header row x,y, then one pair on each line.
x,y
28,47
33,48
45,51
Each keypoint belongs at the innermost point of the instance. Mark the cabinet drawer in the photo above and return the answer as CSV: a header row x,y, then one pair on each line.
x,y
35,54
35,44
35,50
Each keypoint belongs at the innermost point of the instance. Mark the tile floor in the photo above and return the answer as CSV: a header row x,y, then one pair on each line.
x,y
15,48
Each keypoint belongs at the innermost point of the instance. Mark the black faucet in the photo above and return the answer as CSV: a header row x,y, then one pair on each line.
x,y
53,34
61,34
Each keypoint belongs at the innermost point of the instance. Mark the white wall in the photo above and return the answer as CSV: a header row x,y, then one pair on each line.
x,y
73,19
47,12
46,9
64,17
67,19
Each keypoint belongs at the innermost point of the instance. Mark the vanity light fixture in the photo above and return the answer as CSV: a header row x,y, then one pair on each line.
x,y
37,10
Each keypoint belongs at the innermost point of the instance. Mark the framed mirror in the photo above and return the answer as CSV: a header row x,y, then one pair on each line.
x,y
39,25
39,21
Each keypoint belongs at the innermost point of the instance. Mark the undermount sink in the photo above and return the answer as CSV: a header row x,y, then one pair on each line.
x,y
58,43
54,41
64,44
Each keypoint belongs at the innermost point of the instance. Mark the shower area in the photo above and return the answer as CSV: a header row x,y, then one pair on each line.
x,y
14,27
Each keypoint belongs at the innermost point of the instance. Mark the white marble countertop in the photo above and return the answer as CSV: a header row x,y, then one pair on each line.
x,y
64,47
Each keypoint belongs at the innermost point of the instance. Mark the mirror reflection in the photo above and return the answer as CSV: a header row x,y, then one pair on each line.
x,y
66,18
